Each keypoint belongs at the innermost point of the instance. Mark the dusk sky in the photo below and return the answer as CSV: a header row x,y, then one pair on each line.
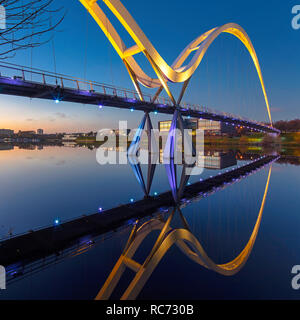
x,y
226,80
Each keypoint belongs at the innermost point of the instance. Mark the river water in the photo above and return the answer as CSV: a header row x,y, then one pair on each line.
x,y
41,185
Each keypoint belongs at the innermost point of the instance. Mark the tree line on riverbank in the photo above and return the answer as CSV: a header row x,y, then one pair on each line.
x,y
288,126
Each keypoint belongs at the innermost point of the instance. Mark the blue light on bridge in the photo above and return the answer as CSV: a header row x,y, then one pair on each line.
x,y
131,200
56,222
100,209
57,100
131,109
100,106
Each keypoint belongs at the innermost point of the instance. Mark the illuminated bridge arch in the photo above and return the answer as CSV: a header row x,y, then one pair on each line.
x,y
178,72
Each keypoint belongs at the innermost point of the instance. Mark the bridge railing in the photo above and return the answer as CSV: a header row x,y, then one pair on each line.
x,y
38,76
204,109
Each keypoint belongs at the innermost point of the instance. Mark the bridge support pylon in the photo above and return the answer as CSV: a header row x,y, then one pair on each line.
x,y
173,154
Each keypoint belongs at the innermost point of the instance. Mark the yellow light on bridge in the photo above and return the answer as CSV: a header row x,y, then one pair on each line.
x,y
177,72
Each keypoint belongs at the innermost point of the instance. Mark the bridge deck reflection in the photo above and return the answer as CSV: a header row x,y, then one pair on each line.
x,y
25,249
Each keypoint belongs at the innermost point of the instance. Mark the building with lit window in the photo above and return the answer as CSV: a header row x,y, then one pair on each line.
x,y
215,127
209,126
164,126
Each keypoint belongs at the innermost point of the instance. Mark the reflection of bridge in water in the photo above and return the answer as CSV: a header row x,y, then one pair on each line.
x,y
35,250
169,236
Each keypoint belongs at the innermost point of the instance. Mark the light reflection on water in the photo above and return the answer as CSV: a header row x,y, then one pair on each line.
x,y
41,185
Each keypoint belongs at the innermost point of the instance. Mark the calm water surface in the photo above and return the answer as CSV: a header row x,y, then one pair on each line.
x,y
39,186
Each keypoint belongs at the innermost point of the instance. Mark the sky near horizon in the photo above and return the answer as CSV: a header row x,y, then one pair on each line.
x,y
226,79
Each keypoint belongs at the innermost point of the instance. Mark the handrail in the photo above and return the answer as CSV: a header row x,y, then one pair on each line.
x,y
94,86
78,83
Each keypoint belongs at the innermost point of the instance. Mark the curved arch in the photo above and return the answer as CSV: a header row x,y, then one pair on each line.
x,y
200,256
188,244
176,73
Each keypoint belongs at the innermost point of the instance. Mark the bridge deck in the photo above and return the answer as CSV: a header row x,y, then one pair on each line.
x,y
60,88
52,240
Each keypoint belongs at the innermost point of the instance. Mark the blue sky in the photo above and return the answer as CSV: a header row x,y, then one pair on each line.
x,y
226,80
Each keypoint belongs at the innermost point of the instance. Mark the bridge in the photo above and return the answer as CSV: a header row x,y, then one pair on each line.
x,y
35,83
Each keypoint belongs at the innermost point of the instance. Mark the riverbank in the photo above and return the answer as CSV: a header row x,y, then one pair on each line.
x,y
285,139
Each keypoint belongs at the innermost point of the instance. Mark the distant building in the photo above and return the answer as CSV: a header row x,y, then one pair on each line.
x,y
164,126
6,132
40,131
209,126
70,137
215,127
26,133
122,132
